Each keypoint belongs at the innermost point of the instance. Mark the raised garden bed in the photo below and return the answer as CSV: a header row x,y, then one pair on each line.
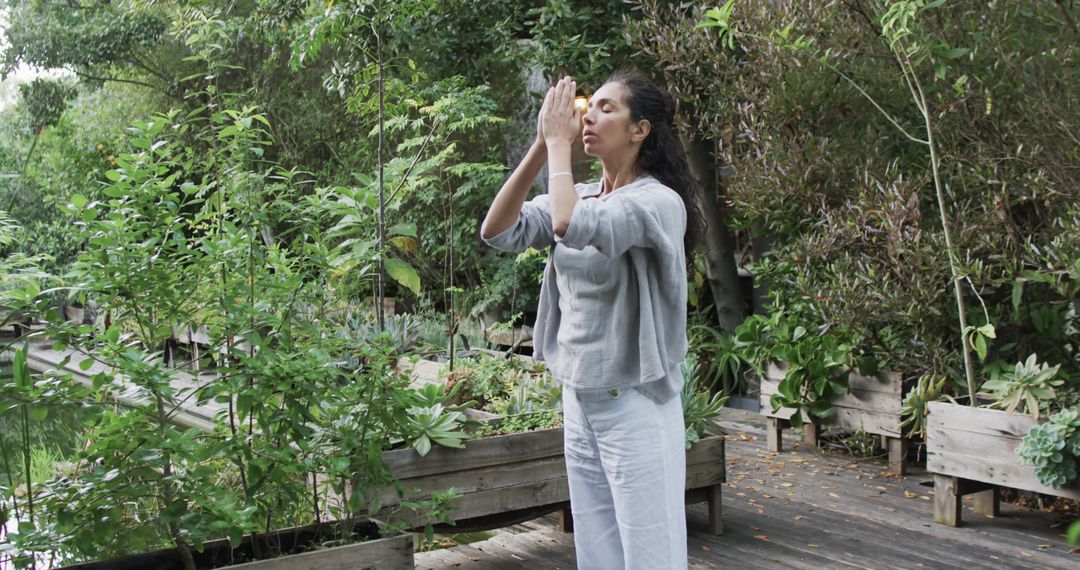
x,y
973,451
376,553
872,405
510,478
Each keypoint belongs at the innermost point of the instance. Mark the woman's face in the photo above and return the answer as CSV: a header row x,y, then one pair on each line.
x,y
608,131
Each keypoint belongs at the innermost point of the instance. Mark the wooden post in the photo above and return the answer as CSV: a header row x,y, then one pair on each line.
x,y
566,519
946,500
987,503
716,510
810,433
896,447
774,434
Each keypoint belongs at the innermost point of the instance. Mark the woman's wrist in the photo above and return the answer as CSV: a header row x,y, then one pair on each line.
x,y
557,145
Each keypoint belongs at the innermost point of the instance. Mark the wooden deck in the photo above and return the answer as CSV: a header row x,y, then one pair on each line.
x,y
806,509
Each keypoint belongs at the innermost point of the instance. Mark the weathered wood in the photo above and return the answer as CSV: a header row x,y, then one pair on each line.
x,y
810,433
872,406
566,519
377,553
474,485
946,500
512,473
995,423
980,444
496,450
421,372
838,512
774,434
716,510
897,447
987,503
393,553
190,413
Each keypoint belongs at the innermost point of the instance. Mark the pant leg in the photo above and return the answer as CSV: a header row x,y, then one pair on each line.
x,y
596,531
641,447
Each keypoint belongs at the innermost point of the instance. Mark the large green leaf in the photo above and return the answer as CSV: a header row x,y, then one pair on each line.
x,y
403,273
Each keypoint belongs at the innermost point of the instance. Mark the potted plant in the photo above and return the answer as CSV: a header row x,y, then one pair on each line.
x,y
814,380
519,471
1009,442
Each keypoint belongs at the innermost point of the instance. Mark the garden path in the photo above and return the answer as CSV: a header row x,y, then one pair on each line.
x,y
187,411
808,509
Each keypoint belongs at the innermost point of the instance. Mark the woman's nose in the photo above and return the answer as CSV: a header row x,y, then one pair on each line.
x,y
587,118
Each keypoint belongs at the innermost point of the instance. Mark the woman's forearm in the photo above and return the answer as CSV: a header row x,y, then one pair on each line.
x,y
562,195
506,207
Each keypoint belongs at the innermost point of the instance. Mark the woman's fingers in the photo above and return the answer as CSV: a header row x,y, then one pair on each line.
x,y
567,99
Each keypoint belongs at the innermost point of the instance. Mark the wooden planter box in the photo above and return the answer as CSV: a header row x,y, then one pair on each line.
x,y
505,479
973,451
872,405
378,553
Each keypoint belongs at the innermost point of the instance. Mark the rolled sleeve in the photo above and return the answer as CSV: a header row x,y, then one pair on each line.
x,y
638,218
532,228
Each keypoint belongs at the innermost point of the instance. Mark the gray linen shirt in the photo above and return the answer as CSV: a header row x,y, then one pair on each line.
x,y
612,309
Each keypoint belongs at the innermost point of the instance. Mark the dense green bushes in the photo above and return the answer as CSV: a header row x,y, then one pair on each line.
x,y
810,109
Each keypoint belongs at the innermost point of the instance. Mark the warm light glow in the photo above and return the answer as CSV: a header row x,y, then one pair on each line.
x,y
581,103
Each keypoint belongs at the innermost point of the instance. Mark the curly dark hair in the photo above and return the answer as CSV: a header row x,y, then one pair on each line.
x,y
661,153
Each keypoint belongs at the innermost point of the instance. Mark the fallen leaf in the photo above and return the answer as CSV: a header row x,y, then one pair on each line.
x,y
1046,546
813,546
765,538
834,495
706,549
787,484
1023,553
880,488
910,495
798,517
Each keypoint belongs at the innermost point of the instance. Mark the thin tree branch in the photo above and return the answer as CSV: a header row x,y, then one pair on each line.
x,y
117,79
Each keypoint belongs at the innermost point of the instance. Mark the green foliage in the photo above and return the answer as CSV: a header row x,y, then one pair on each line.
x,y
580,38
722,353
52,34
511,288
45,101
429,421
843,191
700,410
817,365
913,407
1025,387
1053,448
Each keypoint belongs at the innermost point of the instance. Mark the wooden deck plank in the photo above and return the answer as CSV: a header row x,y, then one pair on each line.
x,y
856,513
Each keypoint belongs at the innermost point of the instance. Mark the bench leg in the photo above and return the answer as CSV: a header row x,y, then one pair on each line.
x,y
810,433
716,510
987,503
774,434
566,520
896,447
946,500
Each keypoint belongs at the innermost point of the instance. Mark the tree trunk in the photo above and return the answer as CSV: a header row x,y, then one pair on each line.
x,y
722,272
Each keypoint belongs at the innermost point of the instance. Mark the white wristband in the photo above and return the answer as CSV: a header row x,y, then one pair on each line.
x,y
554,175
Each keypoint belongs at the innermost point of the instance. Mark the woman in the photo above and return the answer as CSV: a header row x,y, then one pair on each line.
x,y
611,322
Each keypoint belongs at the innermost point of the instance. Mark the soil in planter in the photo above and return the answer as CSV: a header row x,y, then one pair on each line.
x,y
219,554
858,444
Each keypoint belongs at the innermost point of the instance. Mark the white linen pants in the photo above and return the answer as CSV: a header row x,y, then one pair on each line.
x,y
626,465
